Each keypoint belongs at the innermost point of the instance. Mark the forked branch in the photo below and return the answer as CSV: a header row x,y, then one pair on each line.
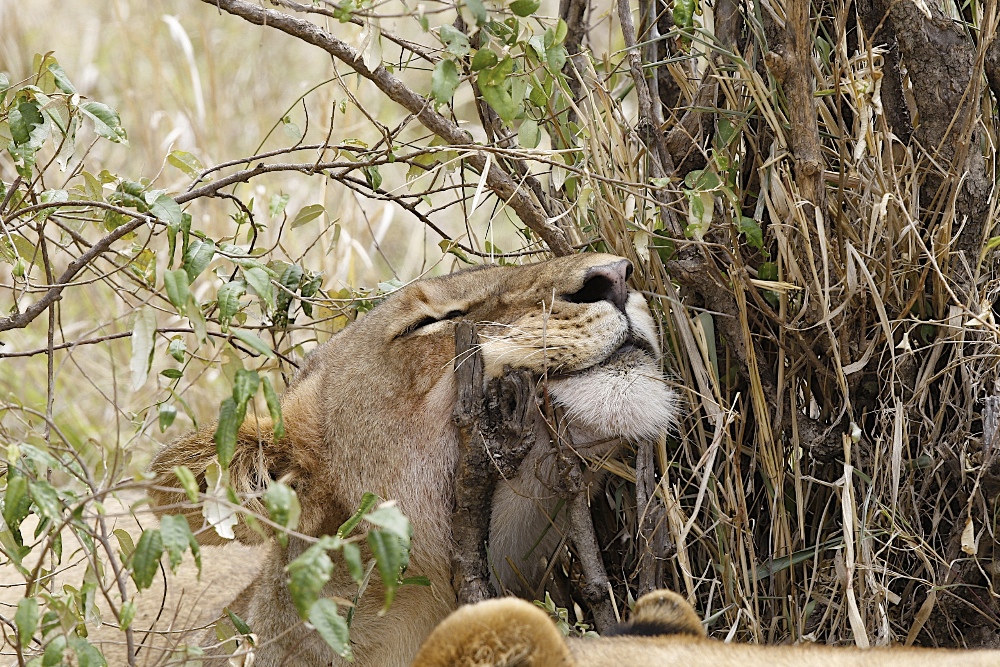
x,y
503,186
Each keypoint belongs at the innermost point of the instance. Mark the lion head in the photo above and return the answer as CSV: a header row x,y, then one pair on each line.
x,y
371,410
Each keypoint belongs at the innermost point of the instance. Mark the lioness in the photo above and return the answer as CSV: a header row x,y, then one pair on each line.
x,y
664,632
371,410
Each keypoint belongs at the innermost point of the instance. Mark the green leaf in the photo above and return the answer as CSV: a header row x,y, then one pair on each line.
x,y
143,265
702,180
528,135
197,320
561,31
389,556
307,575
767,271
452,248
228,298
478,10
46,499
352,556
54,651
444,81
483,59
23,121
16,502
524,8
274,408
166,416
62,81
500,99
230,419
331,626
52,197
283,507
166,209
254,342
556,58
278,204
372,176
125,542
495,86
456,41
368,501
106,121
749,227
197,258
684,14
176,536
126,614
146,558
178,290
26,619
177,348
725,133
87,654
143,336
245,386
240,625
186,162
418,580
260,281
306,214
498,74
15,246
188,482
390,518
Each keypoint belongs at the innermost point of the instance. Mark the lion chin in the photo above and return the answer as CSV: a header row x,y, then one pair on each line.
x,y
625,396
371,411
664,631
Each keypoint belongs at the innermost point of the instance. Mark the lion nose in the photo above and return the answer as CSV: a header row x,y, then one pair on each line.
x,y
605,283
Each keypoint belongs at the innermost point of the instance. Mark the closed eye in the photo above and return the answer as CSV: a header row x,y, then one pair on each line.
x,y
427,321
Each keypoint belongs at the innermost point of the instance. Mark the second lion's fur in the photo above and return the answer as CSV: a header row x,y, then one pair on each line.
x,y
664,631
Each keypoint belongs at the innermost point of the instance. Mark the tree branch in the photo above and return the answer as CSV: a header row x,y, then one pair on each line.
x,y
526,208
793,65
22,319
494,421
945,70
650,119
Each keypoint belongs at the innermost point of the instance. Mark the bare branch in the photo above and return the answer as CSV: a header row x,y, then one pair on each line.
x,y
494,421
21,320
501,183
792,64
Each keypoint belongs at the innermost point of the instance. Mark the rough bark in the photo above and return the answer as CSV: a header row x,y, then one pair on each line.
x,y
653,544
879,30
941,63
574,13
494,421
597,588
792,64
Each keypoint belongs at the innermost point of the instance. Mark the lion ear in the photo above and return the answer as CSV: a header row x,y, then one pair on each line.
x,y
495,633
257,460
661,613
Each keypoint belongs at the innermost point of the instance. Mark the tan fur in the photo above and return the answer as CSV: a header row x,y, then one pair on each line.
x,y
469,637
372,411
507,632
